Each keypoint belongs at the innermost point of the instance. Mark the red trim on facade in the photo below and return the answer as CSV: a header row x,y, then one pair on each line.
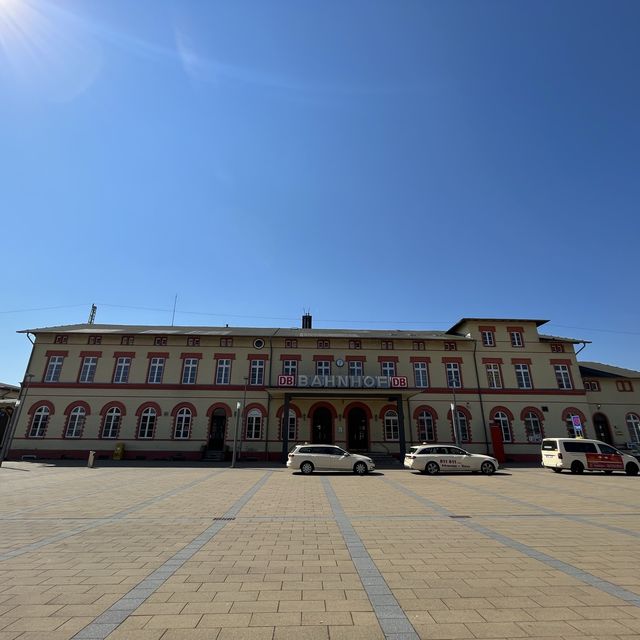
x,y
535,410
467,415
323,405
358,405
91,354
426,359
284,356
425,407
572,411
504,410
77,403
219,405
447,359
565,361
124,354
158,354
149,405
516,330
355,358
486,327
323,357
492,361
255,405
258,356
185,355
111,405
387,407
521,361
42,403
224,356
388,359
184,405
64,354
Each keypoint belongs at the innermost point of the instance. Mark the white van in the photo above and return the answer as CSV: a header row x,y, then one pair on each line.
x,y
578,454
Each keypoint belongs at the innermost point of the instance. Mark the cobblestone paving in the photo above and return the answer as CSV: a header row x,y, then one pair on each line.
x,y
170,553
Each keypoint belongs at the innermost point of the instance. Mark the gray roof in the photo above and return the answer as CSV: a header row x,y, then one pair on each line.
x,y
463,320
595,369
244,331
546,338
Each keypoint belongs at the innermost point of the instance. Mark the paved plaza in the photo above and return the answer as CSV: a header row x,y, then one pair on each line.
x,y
258,553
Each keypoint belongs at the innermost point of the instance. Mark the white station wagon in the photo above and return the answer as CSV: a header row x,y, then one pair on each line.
x,y
325,457
433,458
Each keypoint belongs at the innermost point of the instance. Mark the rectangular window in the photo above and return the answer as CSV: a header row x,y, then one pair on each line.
x,y
291,344
61,339
289,367
160,341
223,372
388,369
88,371
387,345
189,370
488,339
355,344
418,345
516,339
54,367
356,368
624,385
450,346
95,339
494,378
226,342
591,385
323,344
126,340
454,381
256,376
557,348
254,424
421,374
523,376
323,368
156,369
193,341
562,376
121,374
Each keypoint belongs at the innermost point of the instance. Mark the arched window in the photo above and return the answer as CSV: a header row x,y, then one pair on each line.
x,y
426,427
533,427
39,422
182,429
111,424
291,426
633,424
75,423
254,425
391,426
463,427
147,423
502,420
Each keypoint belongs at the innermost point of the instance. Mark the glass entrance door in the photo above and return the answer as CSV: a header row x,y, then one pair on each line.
x,y
358,430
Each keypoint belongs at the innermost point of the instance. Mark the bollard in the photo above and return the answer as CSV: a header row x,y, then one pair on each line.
x,y
92,455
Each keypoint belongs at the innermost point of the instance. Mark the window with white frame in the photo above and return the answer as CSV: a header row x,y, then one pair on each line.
x,y
523,376
388,368
494,378
121,373
54,367
290,367
532,427
256,375
111,423
39,422
147,423
356,368
189,370
426,427
488,338
462,427
454,380
88,371
291,426
516,339
75,423
254,422
355,344
563,378
156,370
633,424
421,374
223,371
323,368
182,428
391,426
502,420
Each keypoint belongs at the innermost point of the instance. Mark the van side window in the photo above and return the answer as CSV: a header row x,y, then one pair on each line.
x,y
580,447
605,448
549,445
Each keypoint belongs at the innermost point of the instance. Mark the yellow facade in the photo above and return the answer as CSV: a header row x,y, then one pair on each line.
x,y
363,390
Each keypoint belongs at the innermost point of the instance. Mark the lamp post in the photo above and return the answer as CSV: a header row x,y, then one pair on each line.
x,y
13,423
239,410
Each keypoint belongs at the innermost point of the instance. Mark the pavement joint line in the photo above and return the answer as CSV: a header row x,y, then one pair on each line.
x,y
390,615
98,523
560,565
544,510
103,625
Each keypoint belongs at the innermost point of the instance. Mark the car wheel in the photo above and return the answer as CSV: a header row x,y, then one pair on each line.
x,y
631,469
306,468
488,468
360,468
577,467
432,468
557,470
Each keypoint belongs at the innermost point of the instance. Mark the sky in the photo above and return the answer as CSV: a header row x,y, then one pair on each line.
x,y
392,164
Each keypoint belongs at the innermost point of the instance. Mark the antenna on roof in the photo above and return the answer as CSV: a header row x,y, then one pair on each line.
x,y
92,314
173,317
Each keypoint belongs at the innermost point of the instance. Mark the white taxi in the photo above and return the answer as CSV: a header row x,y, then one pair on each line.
x,y
325,457
433,458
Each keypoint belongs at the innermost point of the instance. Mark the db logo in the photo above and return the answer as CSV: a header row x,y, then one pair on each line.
x,y
286,381
399,382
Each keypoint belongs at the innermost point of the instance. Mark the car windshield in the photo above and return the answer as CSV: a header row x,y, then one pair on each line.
x,y
413,449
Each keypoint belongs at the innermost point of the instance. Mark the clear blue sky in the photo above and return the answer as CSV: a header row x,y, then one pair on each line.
x,y
398,163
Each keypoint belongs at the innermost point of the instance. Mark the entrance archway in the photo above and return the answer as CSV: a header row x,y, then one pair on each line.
x,y
601,427
322,426
217,429
357,429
